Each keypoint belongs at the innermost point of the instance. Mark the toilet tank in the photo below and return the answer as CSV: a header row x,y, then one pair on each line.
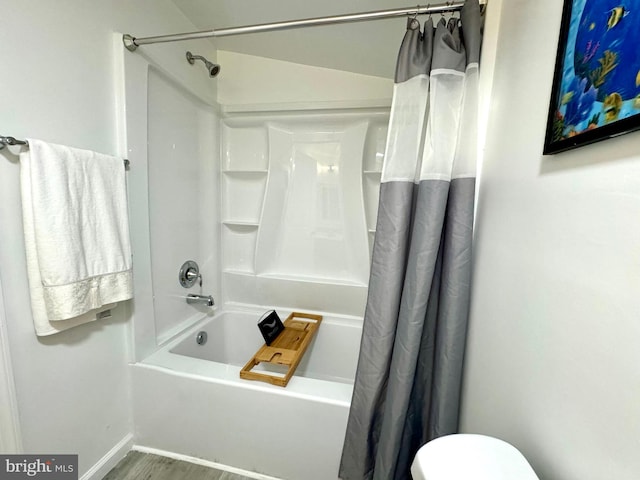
x,y
470,457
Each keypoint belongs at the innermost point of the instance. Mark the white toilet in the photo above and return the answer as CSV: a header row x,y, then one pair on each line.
x,y
470,457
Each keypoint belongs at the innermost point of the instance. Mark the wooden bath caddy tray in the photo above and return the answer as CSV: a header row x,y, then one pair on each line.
x,y
287,349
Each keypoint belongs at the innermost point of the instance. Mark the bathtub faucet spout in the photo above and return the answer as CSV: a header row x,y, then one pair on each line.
x,y
206,299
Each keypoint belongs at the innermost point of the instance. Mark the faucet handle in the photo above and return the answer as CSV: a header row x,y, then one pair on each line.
x,y
189,273
193,275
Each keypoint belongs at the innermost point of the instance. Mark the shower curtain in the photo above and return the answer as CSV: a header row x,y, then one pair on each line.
x,y
407,387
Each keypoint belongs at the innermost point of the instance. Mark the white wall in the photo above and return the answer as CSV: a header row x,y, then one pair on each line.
x,y
58,84
553,364
10,441
247,82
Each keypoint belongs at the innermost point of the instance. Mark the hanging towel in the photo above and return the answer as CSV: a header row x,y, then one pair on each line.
x,y
76,234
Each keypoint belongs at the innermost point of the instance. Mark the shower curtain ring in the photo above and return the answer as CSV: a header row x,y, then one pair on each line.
x,y
415,14
448,10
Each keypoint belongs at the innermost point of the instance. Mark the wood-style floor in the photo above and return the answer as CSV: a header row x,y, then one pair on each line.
x,y
145,466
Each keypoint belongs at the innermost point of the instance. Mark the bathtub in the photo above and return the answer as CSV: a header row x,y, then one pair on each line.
x,y
189,399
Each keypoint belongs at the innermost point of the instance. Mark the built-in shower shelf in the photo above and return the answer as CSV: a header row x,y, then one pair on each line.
x,y
246,173
240,223
373,173
314,279
238,271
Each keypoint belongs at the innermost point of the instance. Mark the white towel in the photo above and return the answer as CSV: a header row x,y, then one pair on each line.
x,y
76,234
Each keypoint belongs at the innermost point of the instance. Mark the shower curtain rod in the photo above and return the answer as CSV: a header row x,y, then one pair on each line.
x,y
9,141
132,43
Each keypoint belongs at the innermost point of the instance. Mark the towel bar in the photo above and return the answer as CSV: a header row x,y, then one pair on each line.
x,y
9,141
4,141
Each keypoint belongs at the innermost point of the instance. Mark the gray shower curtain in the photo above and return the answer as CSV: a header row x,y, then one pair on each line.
x,y
407,387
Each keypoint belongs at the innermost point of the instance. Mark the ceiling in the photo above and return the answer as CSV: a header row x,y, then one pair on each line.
x,y
364,47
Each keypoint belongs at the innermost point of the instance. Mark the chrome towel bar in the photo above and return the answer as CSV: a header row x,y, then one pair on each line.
x,y
10,141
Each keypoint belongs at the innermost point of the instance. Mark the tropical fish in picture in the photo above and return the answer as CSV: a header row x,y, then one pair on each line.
x,y
600,74
616,15
605,46
611,107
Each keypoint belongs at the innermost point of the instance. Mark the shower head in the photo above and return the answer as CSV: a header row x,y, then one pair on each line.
x,y
212,68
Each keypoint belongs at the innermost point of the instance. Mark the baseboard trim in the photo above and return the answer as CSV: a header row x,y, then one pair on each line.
x,y
110,459
200,461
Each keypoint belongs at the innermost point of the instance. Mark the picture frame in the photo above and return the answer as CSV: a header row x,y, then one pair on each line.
x,y
596,83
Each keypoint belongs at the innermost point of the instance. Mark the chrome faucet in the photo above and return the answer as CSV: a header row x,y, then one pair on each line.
x,y
205,299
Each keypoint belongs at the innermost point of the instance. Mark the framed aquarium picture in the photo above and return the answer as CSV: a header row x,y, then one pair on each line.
x,y
596,85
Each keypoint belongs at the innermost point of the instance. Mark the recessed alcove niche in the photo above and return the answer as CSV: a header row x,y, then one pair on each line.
x,y
299,206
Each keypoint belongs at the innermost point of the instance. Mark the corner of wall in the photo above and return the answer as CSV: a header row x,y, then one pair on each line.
x,y
110,459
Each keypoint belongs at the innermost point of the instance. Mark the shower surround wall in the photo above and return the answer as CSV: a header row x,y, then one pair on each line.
x,y
299,200
171,131
302,151
183,201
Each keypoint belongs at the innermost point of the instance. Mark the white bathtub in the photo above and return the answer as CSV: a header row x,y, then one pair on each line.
x,y
189,399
